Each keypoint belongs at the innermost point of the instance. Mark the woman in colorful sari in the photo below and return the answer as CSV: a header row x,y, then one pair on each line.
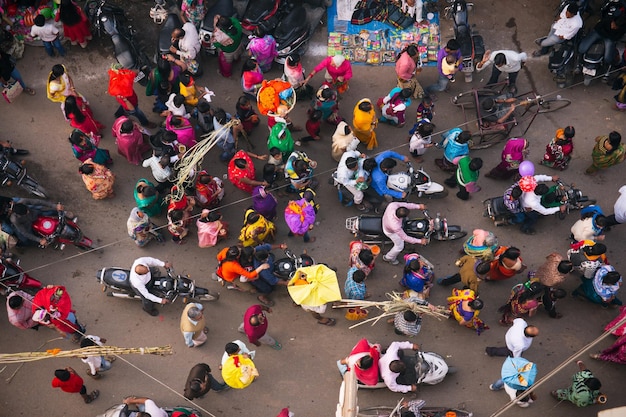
x,y
418,274
262,47
338,72
80,116
464,306
608,151
251,77
523,300
363,256
139,228
179,215
86,147
300,218
615,353
129,139
60,85
514,152
393,106
98,179
147,198
256,229
241,171
194,11
211,228
559,150
506,264
183,128
227,40
364,122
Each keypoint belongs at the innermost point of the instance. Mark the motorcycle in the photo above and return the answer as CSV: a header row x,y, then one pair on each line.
x,y
262,13
370,228
170,287
13,277
347,199
593,60
415,182
572,197
13,172
221,7
60,231
113,21
421,368
424,412
122,410
472,45
294,30
285,267
563,61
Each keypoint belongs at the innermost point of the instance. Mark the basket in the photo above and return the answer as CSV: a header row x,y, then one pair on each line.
x,y
271,94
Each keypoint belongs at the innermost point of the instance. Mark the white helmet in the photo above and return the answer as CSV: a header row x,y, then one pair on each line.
x,y
158,13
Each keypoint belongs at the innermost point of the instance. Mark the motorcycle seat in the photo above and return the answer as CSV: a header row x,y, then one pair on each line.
x,y
117,277
371,225
122,52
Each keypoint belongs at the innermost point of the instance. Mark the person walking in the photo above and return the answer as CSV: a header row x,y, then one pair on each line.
x,y
255,325
75,23
408,65
607,151
70,382
507,61
96,363
584,391
452,48
193,325
518,339
200,381
393,218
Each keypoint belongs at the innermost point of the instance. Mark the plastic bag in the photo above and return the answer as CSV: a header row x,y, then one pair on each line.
x,y
121,82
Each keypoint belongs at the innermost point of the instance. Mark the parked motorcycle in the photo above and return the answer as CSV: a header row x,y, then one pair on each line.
x,y
572,197
421,368
122,410
12,172
294,30
170,287
370,228
113,21
262,13
563,61
13,277
416,182
285,267
472,45
60,231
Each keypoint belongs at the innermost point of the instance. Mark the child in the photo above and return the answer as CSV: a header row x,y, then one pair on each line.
x,y
49,35
449,67
355,288
295,75
211,228
205,117
69,381
246,114
421,139
559,150
175,106
466,176
96,362
189,90
326,101
313,127
163,91
425,110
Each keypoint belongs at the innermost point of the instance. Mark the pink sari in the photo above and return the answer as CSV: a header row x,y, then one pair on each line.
x,y
130,145
186,133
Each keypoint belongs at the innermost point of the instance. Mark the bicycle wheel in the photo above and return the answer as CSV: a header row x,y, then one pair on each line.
x,y
486,140
553,104
468,99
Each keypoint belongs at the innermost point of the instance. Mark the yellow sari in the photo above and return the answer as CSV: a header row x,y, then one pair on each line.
x,y
363,124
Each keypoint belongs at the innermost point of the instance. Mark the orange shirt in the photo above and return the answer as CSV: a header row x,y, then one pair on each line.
x,y
231,270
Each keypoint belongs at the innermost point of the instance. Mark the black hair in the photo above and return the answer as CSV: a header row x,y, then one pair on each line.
x,y
352,162
387,163
252,217
600,221
569,131
406,93
240,163
516,192
220,116
185,78
483,267
464,137
453,45
487,103
62,374
597,249
410,316
358,276
68,13
425,129
86,342
559,293
71,107
127,126
20,209
476,164
366,256
369,164
611,278
231,348
402,212
476,304
511,253
16,301
204,106
573,8
39,20
614,139
327,94
176,215
365,106
564,267
366,362
232,253
179,100
248,65
593,384
293,59
243,100
147,190
214,216
541,189
86,169
261,255
499,59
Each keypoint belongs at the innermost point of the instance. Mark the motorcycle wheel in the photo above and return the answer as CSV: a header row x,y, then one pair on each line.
x,y
434,196
451,370
209,296
452,235
32,187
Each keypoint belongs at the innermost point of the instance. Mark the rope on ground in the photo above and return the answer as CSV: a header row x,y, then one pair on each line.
x,y
556,370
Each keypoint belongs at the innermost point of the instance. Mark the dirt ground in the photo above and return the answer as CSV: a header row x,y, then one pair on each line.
x,y
303,374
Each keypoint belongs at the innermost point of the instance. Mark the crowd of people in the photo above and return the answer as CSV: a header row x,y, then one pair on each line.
x,y
245,264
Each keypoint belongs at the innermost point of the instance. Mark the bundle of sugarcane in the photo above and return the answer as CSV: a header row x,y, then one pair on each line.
x,y
87,351
395,304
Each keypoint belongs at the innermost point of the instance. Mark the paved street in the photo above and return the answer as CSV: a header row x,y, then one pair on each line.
x,y
303,375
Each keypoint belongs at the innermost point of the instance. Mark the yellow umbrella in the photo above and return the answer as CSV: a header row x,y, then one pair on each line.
x,y
239,371
314,286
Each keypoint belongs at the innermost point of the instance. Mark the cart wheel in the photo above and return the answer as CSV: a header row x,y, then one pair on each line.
x,y
486,140
467,99
553,104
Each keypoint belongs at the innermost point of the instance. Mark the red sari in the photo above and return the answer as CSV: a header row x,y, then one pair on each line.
x,y
89,125
235,174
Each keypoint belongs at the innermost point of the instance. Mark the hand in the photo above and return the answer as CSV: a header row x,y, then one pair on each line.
x,y
283,246
340,78
555,178
164,301
268,309
43,242
423,206
413,387
432,307
263,267
562,209
415,346
404,195
59,206
168,265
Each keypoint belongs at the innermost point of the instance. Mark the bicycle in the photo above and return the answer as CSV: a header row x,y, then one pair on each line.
x,y
528,106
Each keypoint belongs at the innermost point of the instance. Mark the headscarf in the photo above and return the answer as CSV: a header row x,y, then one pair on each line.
x,y
136,224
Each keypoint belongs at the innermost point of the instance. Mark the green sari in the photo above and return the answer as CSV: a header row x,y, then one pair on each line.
x,y
149,205
601,158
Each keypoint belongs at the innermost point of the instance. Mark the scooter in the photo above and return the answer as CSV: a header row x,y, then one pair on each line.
x,y
13,277
421,368
370,228
60,231
221,7
113,21
415,181
170,287
472,45
122,410
12,172
285,267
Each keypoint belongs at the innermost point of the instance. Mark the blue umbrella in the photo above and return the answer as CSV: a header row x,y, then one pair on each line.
x,y
518,373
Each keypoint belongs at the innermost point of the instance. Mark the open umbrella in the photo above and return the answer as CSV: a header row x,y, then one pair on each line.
x,y
314,286
518,373
239,371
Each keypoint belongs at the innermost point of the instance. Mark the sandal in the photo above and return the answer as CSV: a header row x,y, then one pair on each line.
x,y
29,91
594,356
266,301
205,330
276,346
327,321
94,394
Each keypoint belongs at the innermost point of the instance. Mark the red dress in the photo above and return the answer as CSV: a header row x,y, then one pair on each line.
x,y
235,174
72,385
89,125
79,32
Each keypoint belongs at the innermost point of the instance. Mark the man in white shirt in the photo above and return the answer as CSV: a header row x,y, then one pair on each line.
x,y
531,203
619,210
185,42
146,406
391,367
350,175
507,61
518,339
140,277
564,28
